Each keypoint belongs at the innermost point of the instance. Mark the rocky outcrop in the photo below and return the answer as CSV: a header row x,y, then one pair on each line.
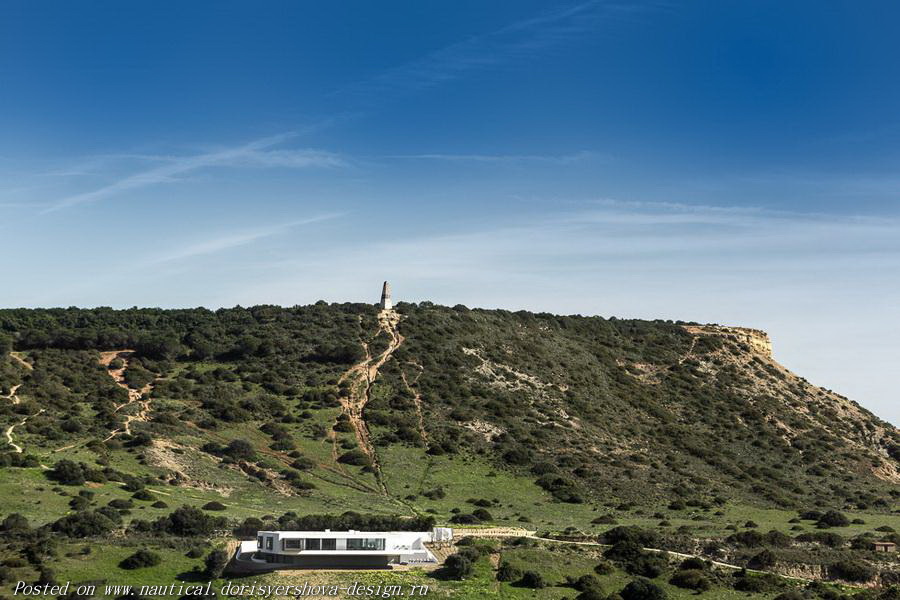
x,y
757,340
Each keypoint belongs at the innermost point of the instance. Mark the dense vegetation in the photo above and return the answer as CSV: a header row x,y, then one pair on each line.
x,y
164,427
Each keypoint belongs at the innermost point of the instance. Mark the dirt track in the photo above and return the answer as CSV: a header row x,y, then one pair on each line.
x,y
9,432
140,397
12,397
17,356
417,399
361,377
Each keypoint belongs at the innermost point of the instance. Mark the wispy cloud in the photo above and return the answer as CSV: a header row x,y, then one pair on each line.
x,y
234,239
257,153
515,42
553,159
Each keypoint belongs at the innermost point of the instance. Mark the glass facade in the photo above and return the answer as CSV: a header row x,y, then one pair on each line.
x,y
318,544
365,544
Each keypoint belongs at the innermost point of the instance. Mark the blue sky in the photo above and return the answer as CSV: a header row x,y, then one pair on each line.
x,y
719,161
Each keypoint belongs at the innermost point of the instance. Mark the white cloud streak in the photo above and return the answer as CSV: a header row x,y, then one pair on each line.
x,y
558,159
253,154
516,42
234,239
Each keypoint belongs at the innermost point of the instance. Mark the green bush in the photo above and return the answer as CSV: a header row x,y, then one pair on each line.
x,y
215,563
457,566
507,572
355,457
85,524
833,518
763,560
690,579
141,559
641,589
533,580
852,570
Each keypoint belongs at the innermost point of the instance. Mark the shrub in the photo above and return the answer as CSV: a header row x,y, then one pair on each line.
x,y
647,565
483,514
587,582
690,579
458,566
533,580
508,572
14,522
355,457
641,589
141,559
852,570
215,563
249,527
755,583
604,520
85,524
833,518
465,519
188,521
693,563
240,450
593,594
603,568
143,495
763,560
623,533
791,595
624,551
67,472
302,463
214,505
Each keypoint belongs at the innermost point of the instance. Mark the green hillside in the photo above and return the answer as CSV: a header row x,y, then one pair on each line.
x,y
564,425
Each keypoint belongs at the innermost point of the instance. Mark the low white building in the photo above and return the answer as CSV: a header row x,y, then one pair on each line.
x,y
339,549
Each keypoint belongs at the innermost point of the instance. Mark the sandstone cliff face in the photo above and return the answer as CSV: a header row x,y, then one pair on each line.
x,y
803,405
757,340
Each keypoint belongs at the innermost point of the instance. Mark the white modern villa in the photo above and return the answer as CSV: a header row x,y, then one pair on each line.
x,y
338,549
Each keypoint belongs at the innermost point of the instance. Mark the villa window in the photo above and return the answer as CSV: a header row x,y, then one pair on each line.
x,y
259,541
295,544
365,544
269,543
329,544
314,544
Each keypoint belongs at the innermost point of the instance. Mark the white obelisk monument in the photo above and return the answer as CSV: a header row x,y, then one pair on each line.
x,y
386,296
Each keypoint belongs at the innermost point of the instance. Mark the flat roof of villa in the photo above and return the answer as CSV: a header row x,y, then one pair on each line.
x,y
343,534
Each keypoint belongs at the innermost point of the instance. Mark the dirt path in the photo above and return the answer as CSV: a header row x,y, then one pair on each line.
x,y
12,397
139,397
361,377
9,432
417,399
690,353
17,356
498,532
